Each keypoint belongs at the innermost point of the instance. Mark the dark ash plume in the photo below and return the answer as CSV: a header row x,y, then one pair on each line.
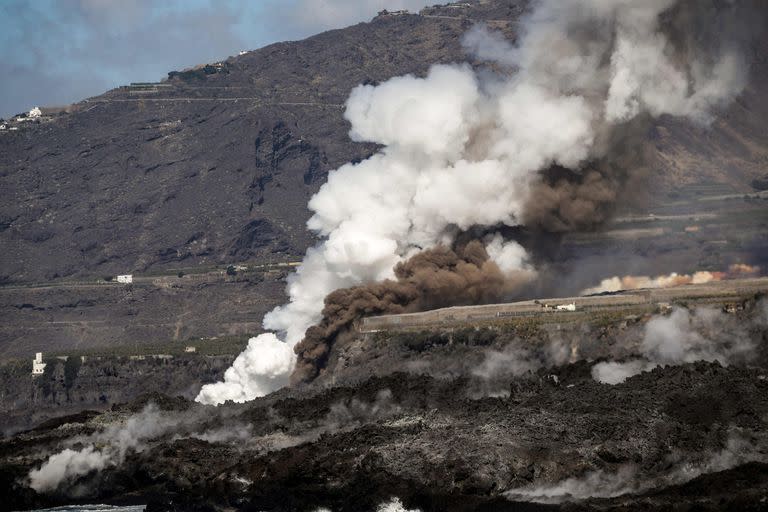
x,y
431,279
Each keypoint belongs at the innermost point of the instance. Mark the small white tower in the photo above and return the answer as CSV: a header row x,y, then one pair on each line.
x,y
38,366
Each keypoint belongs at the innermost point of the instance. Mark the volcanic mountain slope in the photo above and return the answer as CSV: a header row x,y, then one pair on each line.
x,y
216,164
215,168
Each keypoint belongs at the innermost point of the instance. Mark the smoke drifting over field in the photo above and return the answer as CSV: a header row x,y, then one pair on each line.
x,y
616,283
547,142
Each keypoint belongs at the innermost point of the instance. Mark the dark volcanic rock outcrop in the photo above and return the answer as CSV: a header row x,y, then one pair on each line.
x,y
75,385
423,440
475,420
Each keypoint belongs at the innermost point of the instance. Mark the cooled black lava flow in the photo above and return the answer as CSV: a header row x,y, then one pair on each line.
x,y
429,444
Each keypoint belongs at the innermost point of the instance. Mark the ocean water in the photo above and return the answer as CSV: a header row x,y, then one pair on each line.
x,y
93,508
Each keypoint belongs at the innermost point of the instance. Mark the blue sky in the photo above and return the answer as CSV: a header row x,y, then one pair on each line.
x,y
56,52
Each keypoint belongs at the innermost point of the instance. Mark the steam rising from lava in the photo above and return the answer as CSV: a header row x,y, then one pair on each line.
x,y
685,336
465,148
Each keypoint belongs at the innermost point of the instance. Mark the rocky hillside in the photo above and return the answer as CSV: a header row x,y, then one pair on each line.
x,y
79,316
96,383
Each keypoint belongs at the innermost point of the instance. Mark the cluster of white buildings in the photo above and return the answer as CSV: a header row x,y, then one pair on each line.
x,y
35,113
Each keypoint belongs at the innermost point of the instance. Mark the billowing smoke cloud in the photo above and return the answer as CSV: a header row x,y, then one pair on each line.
x,y
683,337
616,283
465,149
430,279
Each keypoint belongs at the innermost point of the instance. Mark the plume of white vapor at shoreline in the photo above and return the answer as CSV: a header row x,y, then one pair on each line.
x,y
393,505
463,150
65,465
114,444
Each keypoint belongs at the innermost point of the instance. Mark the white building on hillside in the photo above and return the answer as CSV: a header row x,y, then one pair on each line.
x,y
35,113
38,366
127,278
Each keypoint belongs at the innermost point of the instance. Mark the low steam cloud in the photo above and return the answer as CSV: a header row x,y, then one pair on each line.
x,y
683,337
541,142
65,465
394,505
114,443
739,449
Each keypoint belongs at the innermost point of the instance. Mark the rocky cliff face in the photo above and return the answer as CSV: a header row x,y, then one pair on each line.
x,y
74,385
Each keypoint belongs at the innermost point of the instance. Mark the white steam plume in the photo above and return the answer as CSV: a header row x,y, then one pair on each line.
x,y
65,465
739,449
394,505
682,337
115,442
463,151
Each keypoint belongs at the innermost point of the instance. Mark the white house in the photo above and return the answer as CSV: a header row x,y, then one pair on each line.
x,y
126,279
566,307
35,113
38,366
190,349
